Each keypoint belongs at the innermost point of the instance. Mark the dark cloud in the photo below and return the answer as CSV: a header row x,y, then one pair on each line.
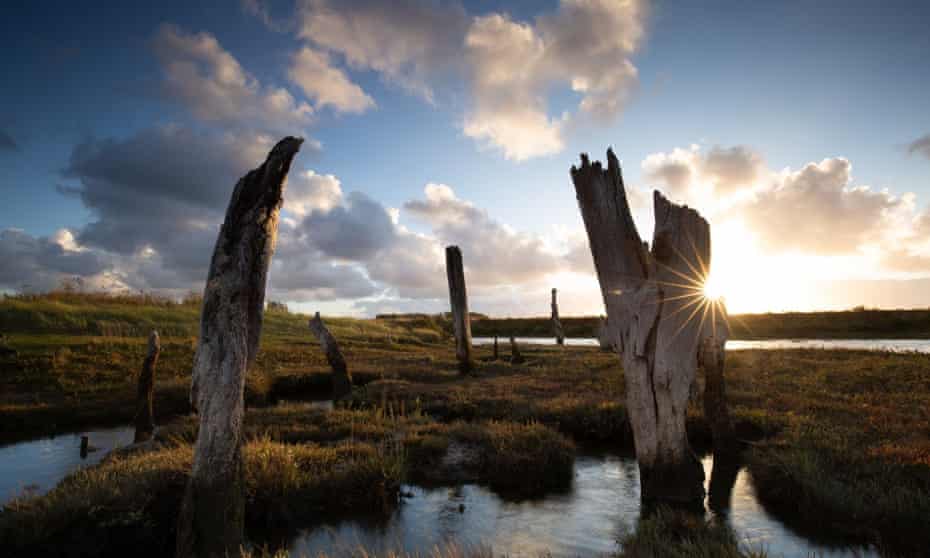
x,y
921,146
7,143
40,263
162,189
357,230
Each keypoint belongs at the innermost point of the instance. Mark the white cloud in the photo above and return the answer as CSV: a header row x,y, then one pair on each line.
x,y
586,45
327,85
308,191
407,41
212,84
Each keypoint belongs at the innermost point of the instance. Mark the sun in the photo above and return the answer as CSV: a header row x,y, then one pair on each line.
x,y
713,289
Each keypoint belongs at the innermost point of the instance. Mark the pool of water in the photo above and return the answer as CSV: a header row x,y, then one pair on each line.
x,y
602,506
38,465
894,345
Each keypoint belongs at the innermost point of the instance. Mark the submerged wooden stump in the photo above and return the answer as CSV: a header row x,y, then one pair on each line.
x,y
603,335
515,356
556,323
659,317
458,298
213,510
342,379
145,418
712,358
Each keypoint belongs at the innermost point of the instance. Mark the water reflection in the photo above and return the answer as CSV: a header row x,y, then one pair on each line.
x,y
602,506
38,465
892,345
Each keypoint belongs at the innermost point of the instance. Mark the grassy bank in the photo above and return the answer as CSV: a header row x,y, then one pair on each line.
x,y
303,465
852,324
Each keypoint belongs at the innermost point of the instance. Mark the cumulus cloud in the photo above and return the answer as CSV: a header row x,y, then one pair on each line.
x,y
211,83
921,146
585,45
494,253
406,41
163,189
327,85
683,173
510,66
41,263
817,210
308,191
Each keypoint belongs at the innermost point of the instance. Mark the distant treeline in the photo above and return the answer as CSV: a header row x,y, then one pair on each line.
x,y
851,324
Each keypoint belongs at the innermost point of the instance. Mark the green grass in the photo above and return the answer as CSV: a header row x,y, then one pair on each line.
x,y
129,504
839,439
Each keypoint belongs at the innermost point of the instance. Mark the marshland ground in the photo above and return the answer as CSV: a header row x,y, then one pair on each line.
x,y
837,442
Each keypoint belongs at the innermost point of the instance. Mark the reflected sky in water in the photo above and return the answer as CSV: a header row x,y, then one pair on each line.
x,y
588,521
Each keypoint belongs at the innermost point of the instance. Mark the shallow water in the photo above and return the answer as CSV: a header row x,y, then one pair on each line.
x,y
38,465
894,345
602,505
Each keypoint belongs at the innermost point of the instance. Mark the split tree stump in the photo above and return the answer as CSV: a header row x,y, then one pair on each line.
x,y
458,298
212,513
145,418
342,379
659,318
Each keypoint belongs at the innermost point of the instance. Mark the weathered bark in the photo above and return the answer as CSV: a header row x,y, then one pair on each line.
x,y
496,353
657,314
342,379
603,335
515,356
712,358
556,323
145,418
212,514
458,297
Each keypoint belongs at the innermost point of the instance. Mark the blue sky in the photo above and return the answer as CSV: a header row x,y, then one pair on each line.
x,y
788,83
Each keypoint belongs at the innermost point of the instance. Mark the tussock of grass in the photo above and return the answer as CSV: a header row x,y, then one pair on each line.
x,y
131,503
672,534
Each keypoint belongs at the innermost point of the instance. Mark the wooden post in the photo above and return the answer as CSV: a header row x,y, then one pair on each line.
x,y
458,297
603,335
712,358
496,354
658,315
212,513
342,379
556,323
515,356
145,418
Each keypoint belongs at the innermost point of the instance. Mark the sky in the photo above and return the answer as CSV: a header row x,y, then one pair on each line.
x,y
801,130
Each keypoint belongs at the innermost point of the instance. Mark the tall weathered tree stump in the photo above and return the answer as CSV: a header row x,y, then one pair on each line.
x,y
212,514
458,298
145,418
556,323
342,379
659,318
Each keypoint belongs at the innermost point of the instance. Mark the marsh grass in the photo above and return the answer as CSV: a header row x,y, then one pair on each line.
x,y
130,503
673,534
839,440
